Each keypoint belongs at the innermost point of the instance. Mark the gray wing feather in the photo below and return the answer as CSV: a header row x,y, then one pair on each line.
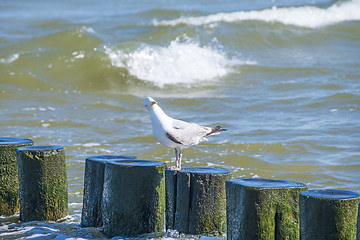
x,y
188,133
172,138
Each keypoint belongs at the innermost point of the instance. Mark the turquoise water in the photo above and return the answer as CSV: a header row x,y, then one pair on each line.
x,y
281,76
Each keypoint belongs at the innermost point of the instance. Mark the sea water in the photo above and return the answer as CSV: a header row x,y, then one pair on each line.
x,y
282,77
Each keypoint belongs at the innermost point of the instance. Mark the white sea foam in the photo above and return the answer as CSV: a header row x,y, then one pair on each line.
x,y
87,29
80,54
38,236
42,109
180,62
91,144
9,59
305,16
20,231
75,205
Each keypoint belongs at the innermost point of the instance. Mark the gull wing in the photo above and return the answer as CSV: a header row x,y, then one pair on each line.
x,y
186,133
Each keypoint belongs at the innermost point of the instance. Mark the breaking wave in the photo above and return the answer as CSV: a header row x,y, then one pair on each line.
x,y
179,62
305,16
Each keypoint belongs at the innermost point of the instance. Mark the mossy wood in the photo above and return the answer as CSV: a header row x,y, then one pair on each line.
x,y
93,188
133,201
263,208
328,214
42,183
9,183
196,201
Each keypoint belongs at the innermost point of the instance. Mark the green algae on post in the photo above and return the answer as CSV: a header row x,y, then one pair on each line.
x,y
42,183
328,214
133,201
93,188
263,208
196,200
9,183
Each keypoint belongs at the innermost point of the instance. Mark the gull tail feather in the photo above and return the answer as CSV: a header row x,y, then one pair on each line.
x,y
215,130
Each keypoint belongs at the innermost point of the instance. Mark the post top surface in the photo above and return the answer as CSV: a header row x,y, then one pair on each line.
x,y
11,140
137,163
109,158
330,194
205,170
40,148
266,183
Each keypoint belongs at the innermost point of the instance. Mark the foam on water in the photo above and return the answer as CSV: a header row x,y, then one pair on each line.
x,y
180,62
9,59
305,16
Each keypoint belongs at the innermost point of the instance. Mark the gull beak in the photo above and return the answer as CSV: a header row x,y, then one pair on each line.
x,y
153,103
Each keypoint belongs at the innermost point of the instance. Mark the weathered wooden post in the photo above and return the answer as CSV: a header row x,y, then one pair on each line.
x,y
196,201
263,208
42,183
133,198
170,197
9,183
328,214
93,188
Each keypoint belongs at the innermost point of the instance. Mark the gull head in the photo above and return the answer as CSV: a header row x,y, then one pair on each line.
x,y
149,102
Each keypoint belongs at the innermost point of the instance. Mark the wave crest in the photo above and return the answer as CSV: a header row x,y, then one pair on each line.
x,y
179,62
305,16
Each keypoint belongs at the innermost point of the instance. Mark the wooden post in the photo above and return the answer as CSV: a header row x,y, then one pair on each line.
x,y
134,198
328,214
9,183
42,183
196,201
170,197
93,188
263,208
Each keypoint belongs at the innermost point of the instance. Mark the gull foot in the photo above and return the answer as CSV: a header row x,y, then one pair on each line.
x,y
174,168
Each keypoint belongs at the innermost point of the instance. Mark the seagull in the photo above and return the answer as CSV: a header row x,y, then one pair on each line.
x,y
175,133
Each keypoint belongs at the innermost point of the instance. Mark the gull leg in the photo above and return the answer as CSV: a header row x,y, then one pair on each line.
x,y
177,157
178,160
180,157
